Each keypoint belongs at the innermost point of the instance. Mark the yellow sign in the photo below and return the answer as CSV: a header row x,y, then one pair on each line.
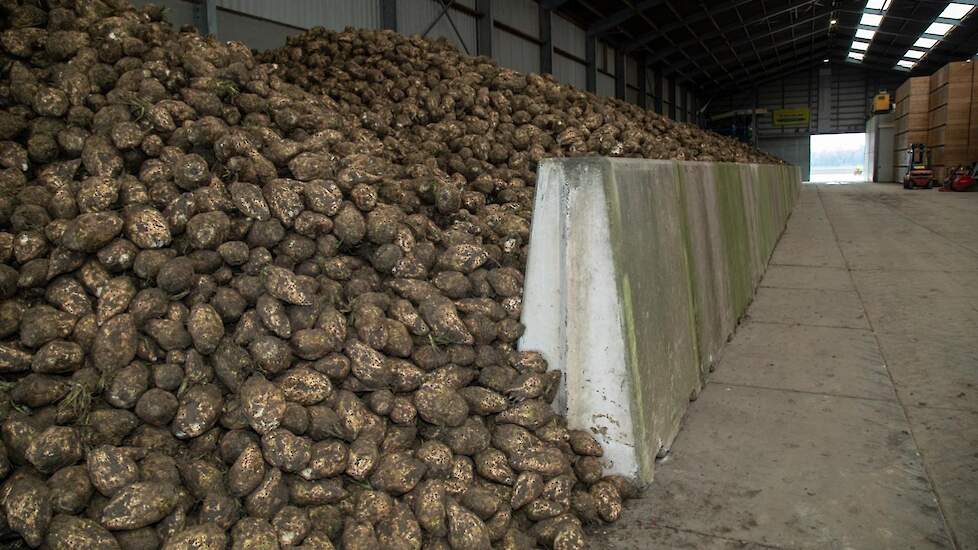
x,y
791,118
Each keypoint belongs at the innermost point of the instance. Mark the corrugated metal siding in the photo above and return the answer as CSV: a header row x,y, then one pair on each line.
x,y
850,92
332,14
569,71
520,14
631,71
414,16
181,13
257,34
263,24
606,85
568,36
515,52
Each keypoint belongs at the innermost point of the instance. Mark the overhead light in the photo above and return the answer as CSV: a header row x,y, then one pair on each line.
x,y
939,29
825,61
906,64
924,42
956,11
865,34
861,46
856,55
913,54
833,22
871,20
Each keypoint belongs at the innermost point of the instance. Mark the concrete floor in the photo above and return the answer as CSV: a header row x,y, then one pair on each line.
x,y
844,412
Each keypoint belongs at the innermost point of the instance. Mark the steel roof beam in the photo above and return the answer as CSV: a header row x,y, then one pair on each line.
x,y
695,18
768,48
744,42
606,24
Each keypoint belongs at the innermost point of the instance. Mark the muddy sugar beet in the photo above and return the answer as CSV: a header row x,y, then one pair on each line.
x,y
274,302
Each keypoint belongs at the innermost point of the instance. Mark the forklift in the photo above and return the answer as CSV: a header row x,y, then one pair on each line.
x,y
962,178
919,174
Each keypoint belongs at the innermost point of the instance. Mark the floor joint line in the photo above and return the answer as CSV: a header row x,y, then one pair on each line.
x,y
941,507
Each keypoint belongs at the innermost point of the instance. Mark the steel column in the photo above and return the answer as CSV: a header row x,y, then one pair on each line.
x,y
205,17
619,74
657,87
483,28
388,14
546,40
683,106
671,86
591,64
643,83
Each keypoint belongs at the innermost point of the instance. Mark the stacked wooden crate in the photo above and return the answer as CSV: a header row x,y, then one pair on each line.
x,y
911,120
973,136
951,111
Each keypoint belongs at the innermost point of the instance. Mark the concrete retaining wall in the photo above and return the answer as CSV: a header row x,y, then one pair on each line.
x,y
638,273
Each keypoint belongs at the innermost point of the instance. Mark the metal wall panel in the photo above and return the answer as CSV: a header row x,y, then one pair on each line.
x,y
331,14
796,150
263,24
569,71
414,16
180,12
523,15
568,36
606,85
631,95
631,71
515,52
257,34
846,94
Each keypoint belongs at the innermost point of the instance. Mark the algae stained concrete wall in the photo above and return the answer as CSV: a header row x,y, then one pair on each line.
x,y
638,273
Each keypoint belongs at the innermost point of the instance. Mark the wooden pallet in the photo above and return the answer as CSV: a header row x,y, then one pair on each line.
x,y
949,116
911,120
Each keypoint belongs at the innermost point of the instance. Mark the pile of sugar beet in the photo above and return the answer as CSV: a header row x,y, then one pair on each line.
x,y
274,302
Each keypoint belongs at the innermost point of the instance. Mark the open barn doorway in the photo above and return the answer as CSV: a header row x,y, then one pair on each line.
x,y
838,158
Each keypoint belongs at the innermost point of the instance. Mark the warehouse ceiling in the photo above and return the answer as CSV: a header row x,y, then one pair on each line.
x,y
727,44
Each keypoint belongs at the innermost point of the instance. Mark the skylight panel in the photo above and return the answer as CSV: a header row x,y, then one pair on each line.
x,y
861,46
955,11
878,4
924,43
865,34
913,54
871,19
906,64
857,55
939,29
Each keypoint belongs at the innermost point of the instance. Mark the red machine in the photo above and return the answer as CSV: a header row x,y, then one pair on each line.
x,y
919,175
962,179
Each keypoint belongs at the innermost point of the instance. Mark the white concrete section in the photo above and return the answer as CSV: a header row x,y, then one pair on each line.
x,y
598,388
572,264
542,312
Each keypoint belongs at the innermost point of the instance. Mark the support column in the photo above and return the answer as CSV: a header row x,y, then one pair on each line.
x,y
619,74
483,28
825,100
753,120
545,19
388,14
657,87
205,17
591,64
683,105
671,86
643,82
